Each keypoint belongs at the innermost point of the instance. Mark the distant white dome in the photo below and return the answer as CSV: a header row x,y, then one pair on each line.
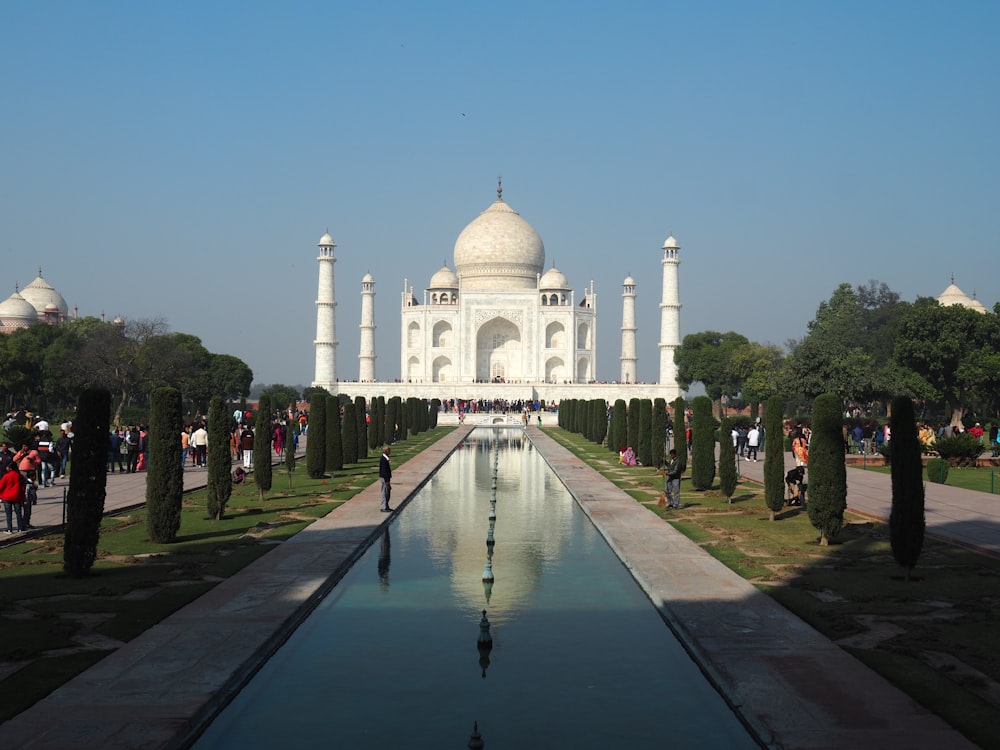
x,y
17,312
671,244
629,281
444,279
952,295
41,295
368,279
326,239
553,279
499,249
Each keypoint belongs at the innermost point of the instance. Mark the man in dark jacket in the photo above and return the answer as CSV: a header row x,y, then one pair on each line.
x,y
385,474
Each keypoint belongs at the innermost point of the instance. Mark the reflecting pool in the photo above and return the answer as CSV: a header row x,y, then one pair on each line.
x,y
580,657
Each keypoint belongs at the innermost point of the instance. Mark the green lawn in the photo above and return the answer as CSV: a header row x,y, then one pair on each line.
x,y
980,479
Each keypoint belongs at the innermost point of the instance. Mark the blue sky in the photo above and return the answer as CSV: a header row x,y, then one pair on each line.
x,y
183,159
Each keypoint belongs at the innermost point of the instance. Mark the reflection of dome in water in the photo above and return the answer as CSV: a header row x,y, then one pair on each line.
x,y
529,526
499,249
41,295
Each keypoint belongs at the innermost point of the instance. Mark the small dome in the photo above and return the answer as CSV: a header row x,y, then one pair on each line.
x,y
41,295
326,239
671,244
499,249
368,279
978,306
17,312
553,279
952,295
629,281
444,279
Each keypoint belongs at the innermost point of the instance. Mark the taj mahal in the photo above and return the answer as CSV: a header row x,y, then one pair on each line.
x,y
498,326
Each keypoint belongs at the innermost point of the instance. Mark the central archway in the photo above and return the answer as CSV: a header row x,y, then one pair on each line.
x,y
498,351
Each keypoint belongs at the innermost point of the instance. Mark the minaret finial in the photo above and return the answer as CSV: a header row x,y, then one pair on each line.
x,y
39,272
953,278
499,187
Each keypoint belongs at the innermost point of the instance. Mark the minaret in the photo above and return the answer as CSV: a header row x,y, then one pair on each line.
x,y
326,318
670,312
629,359
366,357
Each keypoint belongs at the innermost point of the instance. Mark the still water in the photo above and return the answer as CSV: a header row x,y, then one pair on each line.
x,y
389,659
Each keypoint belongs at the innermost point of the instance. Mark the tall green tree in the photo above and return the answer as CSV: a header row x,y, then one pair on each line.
x,y
954,350
774,457
706,358
349,434
220,458
619,427
88,482
262,446
906,520
680,427
658,446
290,453
381,440
334,435
827,474
727,461
644,446
165,480
632,427
316,437
360,413
702,444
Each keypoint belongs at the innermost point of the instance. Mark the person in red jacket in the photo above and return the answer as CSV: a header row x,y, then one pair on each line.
x,y
12,494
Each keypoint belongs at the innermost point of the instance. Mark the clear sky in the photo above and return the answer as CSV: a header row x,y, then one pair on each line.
x,y
182,159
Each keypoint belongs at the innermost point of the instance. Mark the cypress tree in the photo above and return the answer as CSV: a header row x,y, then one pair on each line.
x,y
619,424
727,461
774,459
316,437
680,425
220,459
165,481
391,419
334,436
435,408
402,420
361,412
632,427
262,447
373,425
601,420
645,444
88,482
658,444
702,444
827,496
906,520
380,440
349,434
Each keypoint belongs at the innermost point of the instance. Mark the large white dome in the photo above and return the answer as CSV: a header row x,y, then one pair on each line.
x,y
41,295
499,249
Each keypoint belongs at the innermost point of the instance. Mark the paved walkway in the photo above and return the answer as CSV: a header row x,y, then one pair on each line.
x,y
790,684
968,518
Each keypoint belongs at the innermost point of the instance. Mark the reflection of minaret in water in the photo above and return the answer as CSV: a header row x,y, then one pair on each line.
x,y
384,559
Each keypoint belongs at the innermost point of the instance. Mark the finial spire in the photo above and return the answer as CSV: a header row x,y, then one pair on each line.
x,y
499,187
39,272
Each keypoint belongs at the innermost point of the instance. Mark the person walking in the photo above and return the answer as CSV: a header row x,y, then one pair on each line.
x,y
12,486
753,441
385,474
199,440
246,444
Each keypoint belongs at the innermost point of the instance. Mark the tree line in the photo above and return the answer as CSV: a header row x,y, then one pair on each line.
x,y
46,367
866,346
